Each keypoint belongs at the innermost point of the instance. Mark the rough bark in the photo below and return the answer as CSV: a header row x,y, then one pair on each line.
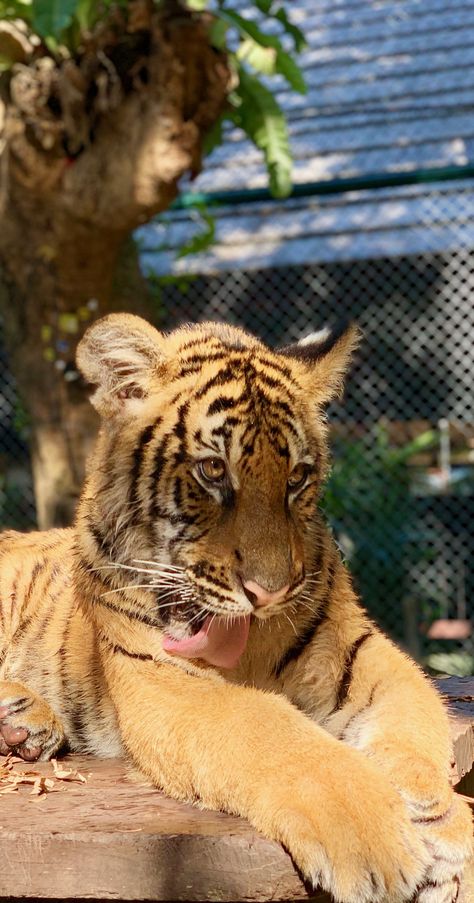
x,y
91,148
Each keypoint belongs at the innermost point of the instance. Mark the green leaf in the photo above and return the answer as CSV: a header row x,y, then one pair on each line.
x,y
202,240
290,70
262,119
198,5
218,33
295,33
15,9
283,64
265,6
262,59
51,17
249,28
86,14
213,138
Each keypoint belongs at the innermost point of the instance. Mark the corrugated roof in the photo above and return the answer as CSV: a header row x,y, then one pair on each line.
x,y
390,89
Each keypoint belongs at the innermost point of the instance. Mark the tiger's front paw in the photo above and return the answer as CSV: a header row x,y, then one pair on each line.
x,y
354,839
448,837
28,726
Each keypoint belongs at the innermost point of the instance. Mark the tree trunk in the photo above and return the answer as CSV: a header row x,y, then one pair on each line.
x,y
45,315
68,209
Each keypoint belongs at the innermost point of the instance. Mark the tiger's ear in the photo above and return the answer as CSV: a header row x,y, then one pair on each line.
x,y
121,355
324,358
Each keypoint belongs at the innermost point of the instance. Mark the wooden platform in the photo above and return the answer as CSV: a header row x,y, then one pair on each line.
x,y
112,838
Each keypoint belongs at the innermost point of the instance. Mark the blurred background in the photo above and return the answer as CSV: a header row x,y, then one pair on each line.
x,y
379,229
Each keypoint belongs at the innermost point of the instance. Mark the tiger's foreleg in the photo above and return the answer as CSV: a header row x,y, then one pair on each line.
x,y
393,714
252,753
28,726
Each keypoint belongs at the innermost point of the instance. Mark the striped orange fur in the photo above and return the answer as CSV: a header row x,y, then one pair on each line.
x,y
198,617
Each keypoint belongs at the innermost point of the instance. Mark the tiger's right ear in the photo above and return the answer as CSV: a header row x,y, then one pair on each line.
x,y
121,354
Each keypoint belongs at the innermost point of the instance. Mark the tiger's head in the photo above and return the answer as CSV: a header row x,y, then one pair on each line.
x,y
204,484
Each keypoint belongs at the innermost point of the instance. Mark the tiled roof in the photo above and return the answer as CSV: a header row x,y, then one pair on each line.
x,y
390,89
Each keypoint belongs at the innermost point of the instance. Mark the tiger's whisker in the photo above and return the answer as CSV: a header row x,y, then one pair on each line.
x,y
121,589
160,564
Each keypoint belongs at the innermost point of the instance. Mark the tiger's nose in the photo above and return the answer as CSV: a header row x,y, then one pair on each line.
x,y
259,596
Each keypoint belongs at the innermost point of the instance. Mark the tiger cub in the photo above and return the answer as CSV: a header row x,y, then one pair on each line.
x,y
199,618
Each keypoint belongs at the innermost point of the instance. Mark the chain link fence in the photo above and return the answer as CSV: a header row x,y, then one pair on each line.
x,y
17,505
401,493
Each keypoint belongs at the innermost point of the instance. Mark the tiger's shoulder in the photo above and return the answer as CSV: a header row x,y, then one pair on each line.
x,y
37,542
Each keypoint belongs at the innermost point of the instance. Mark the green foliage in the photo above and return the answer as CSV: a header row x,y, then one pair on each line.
x,y
256,52
253,107
370,506
49,18
203,239
15,9
258,114
254,42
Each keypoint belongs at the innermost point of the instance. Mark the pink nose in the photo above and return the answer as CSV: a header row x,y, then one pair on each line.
x,y
262,596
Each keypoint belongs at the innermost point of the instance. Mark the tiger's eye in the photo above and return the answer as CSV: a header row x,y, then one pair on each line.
x,y
212,469
298,476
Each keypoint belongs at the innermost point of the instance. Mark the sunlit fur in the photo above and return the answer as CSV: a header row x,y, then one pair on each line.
x,y
326,736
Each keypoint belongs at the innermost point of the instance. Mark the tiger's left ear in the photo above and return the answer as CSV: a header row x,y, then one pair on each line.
x,y
122,356
324,358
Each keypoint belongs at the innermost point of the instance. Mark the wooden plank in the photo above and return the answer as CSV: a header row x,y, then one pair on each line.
x,y
116,838
459,693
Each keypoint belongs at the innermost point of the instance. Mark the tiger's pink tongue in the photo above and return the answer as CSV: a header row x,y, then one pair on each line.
x,y
219,642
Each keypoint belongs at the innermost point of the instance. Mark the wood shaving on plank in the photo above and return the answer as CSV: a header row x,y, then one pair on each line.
x,y
12,778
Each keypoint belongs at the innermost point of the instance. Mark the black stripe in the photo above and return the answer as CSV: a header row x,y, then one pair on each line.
x,y
22,628
38,568
227,375
277,403
316,350
158,463
62,653
285,371
302,641
20,705
133,615
181,534
430,819
178,492
208,340
137,459
101,541
78,715
222,403
212,581
273,382
457,881
179,428
300,644
195,362
360,711
226,427
42,624
12,595
345,681
182,518
141,656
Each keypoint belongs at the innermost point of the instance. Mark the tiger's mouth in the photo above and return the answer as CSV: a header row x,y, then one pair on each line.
x,y
215,639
